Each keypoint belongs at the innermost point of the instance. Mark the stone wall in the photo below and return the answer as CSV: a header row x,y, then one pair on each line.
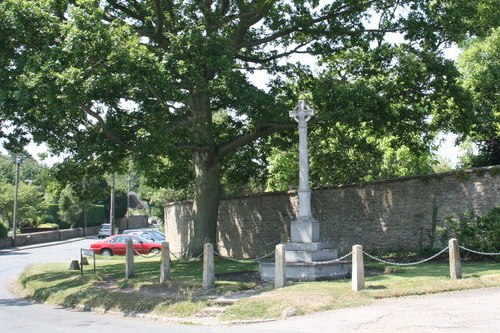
x,y
389,215
47,236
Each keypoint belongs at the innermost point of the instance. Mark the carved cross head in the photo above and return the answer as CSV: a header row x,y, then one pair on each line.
x,y
302,113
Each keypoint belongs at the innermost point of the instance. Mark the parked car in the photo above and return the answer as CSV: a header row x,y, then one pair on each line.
x,y
148,234
116,245
104,230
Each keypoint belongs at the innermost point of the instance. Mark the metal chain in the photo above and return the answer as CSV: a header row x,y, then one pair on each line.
x,y
406,263
181,259
479,252
240,260
324,262
154,254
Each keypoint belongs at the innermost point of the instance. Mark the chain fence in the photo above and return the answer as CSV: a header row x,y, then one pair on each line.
x,y
479,252
324,262
245,259
180,258
151,254
405,263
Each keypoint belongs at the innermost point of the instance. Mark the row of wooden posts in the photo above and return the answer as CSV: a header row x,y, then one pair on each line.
x,y
358,276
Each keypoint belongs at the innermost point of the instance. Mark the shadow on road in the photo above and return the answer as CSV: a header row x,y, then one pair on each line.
x,y
14,302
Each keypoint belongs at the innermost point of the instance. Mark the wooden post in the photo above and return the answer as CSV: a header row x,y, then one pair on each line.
x,y
165,263
358,270
208,267
129,260
280,267
455,265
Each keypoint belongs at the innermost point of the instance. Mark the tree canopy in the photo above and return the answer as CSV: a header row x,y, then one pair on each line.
x,y
480,67
168,83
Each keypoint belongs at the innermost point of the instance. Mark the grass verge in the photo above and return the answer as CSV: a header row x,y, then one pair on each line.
x,y
184,297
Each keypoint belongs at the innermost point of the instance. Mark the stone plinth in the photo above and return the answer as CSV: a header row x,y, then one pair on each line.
x,y
304,230
305,252
309,262
316,271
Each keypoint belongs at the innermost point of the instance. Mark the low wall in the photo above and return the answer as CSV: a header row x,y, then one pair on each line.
x,y
47,236
401,214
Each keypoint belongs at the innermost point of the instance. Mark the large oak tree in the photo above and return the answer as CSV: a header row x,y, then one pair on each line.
x,y
168,81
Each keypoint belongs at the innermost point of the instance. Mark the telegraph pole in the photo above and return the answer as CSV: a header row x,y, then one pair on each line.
x,y
112,206
16,191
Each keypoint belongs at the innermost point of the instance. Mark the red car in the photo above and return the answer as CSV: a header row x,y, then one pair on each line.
x,y
116,245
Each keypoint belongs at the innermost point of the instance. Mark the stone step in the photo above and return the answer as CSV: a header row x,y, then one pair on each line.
x,y
308,272
222,301
211,311
311,256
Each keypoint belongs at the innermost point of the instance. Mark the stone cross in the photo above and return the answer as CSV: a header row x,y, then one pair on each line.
x,y
302,114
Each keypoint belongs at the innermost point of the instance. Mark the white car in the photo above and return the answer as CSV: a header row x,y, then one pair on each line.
x,y
104,230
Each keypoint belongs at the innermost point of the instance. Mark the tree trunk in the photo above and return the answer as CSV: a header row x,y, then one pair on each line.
x,y
206,202
207,169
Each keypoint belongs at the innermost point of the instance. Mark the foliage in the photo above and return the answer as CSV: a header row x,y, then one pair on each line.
x,y
478,233
30,203
96,215
4,229
120,204
29,170
481,76
345,157
48,226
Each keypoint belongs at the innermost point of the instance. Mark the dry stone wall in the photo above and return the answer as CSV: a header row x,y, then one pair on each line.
x,y
399,214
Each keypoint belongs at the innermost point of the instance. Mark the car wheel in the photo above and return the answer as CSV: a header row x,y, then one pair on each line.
x,y
154,250
106,253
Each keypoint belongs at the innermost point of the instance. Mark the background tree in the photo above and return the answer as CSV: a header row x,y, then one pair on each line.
x,y
480,67
107,80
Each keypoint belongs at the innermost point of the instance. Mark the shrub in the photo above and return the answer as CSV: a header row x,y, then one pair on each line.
x,y
4,229
95,216
48,226
479,233
46,218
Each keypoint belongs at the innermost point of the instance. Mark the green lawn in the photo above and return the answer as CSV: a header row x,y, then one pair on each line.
x,y
184,296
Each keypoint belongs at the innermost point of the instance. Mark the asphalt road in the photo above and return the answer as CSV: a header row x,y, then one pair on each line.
x,y
468,311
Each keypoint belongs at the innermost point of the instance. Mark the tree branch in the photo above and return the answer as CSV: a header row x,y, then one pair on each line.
x,y
104,128
296,28
159,18
260,131
275,57
125,10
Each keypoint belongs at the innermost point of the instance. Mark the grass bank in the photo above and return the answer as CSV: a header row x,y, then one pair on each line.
x,y
184,297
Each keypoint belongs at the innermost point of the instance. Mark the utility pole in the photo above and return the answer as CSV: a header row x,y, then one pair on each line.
x,y
128,198
16,191
112,206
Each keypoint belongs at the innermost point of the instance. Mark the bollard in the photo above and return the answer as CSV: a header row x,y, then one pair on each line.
x,y
129,260
455,265
74,265
165,263
280,267
358,270
208,267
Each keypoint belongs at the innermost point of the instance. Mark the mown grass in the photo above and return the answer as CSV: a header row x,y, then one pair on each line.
x,y
108,290
385,281
184,296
